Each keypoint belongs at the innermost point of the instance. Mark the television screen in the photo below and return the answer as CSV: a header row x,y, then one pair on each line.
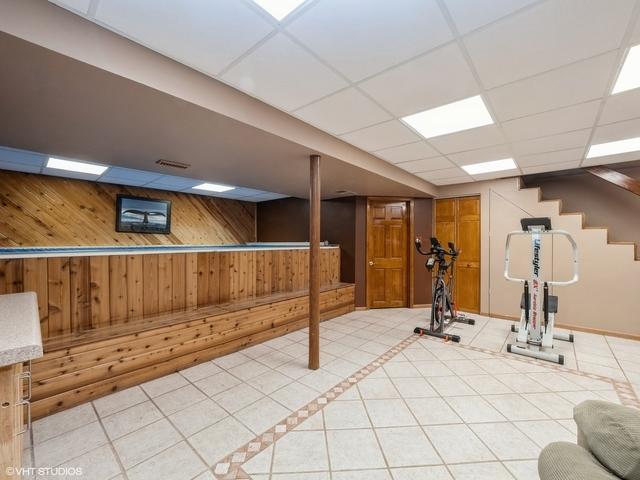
x,y
143,215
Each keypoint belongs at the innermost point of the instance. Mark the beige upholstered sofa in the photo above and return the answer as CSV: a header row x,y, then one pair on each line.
x,y
608,446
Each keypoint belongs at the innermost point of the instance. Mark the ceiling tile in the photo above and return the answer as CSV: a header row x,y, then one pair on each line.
x,y
203,34
471,15
624,157
574,154
343,112
493,175
621,106
444,173
562,141
425,164
497,152
80,6
432,80
18,167
54,172
388,134
452,181
546,36
122,181
550,168
404,153
129,174
616,131
576,83
635,36
22,157
283,74
363,37
565,119
468,140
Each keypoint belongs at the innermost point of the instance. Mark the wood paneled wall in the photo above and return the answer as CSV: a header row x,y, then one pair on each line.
x,y
76,294
39,210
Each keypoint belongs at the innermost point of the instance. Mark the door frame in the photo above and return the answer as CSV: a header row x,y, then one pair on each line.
x,y
409,221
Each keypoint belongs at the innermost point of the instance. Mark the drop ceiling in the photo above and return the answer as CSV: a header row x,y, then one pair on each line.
x,y
545,70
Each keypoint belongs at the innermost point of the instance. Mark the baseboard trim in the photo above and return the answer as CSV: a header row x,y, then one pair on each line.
x,y
358,309
421,305
577,328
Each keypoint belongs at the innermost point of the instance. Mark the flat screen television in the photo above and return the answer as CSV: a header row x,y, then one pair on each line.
x,y
142,215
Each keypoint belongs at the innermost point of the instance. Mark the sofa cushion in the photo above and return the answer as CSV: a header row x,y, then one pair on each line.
x,y
568,461
612,434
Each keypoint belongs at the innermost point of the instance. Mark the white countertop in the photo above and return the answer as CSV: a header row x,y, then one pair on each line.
x,y
20,338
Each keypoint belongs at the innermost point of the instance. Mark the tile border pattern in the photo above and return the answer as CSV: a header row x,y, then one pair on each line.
x,y
230,467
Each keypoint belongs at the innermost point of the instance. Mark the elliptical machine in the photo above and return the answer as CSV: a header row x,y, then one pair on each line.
x,y
443,310
538,308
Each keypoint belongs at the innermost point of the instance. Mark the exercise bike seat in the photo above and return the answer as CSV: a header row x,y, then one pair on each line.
x,y
553,303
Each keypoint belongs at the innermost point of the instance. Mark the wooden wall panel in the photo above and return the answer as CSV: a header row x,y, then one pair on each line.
x,y
76,294
39,210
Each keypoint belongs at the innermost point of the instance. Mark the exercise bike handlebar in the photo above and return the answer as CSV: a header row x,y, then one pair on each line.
x,y
563,233
435,250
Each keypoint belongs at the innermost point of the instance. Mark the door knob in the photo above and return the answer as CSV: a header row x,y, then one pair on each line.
x,y
371,263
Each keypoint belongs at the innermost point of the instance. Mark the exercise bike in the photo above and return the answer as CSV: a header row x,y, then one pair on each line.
x,y
538,308
443,310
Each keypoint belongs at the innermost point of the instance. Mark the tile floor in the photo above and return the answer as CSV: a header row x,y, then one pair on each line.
x,y
382,406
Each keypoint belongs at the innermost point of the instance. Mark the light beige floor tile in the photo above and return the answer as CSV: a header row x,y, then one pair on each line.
x,y
494,366
359,357
474,409
352,414
126,421
238,397
231,360
421,473
301,476
349,394
520,383
450,386
342,368
258,350
554,382
197,417
457,444
401,370
294,395
569,425
544,432
480,471
485,384
248,370
515,407
389,413
97,464
320,380
294,369
354,449
164,384
200,371
432,411
69,445
301,452
465,367
274,359
414,387
578,397
269,382
62,422
217,383
119,401
146,442
262,415
176,463
314,422
218,440
418,354
362,475
553,405
407,447
176,400
523,469
506,441
261,463
373,388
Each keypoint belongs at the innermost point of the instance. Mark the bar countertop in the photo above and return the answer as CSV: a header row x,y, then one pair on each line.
x,y
20,338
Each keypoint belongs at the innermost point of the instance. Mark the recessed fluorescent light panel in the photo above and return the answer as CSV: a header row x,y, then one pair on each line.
x,y
213,187
488,167
453,117
279,9
629,76
614,148
73,166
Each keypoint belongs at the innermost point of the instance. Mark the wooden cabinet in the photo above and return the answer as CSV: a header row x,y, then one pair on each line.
x,y
457,220
11,419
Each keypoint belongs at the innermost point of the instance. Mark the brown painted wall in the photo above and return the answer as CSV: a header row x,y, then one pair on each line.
x,y
344,222
604,204
40,210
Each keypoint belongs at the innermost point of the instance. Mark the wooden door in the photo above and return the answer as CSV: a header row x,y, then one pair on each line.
x,y
387,254
458,220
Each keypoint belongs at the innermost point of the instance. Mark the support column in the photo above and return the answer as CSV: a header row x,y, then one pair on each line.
x,y
314,263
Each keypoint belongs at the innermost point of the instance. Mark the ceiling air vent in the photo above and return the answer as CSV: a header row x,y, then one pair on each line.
x,y
345,192
172,164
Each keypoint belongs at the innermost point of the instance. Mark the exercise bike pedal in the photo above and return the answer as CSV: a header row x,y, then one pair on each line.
x,y
445,336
